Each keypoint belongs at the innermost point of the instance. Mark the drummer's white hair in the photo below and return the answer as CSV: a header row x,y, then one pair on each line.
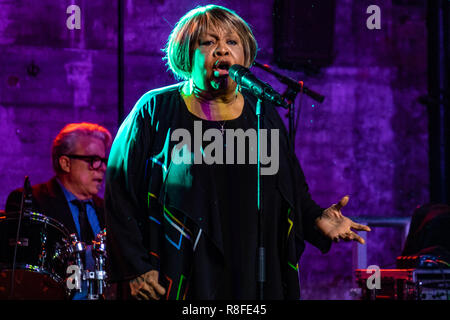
x,y
65,141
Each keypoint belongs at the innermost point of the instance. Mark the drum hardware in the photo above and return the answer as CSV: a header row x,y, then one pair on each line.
x,y
95,280
99,251
34,266
43,252
61,253
77,249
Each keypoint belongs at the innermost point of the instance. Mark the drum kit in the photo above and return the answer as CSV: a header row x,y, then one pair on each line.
x,y
40,259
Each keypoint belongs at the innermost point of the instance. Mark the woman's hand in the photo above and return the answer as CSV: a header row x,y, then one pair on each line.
x,y
146,286
335,226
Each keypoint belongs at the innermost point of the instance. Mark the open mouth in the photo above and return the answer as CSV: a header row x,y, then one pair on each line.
x,y
221,68
222,65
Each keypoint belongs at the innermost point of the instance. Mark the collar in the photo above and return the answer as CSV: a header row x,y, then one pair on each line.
x,y
69,195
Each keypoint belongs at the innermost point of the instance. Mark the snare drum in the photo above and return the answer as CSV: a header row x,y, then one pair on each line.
x,y
41,257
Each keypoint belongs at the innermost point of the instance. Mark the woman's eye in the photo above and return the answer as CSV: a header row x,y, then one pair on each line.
x,y
232,42
206,43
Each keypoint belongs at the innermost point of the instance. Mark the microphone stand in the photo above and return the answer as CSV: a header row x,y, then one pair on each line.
x,y
261,254
238,74
261,251
293,88
290,94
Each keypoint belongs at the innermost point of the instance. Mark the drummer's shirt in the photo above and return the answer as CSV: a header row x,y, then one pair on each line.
x,y
95,225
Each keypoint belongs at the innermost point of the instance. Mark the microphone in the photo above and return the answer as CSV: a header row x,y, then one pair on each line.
x,y
243,77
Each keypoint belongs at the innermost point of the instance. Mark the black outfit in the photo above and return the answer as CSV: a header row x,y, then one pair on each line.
x,y
197,223
48,199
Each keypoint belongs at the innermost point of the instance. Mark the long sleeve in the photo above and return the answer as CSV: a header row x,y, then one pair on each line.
x,y
126,195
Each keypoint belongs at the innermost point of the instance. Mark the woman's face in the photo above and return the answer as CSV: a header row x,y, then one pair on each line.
x,y
216,51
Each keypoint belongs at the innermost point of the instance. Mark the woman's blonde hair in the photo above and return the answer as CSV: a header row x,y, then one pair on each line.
x,y
180,45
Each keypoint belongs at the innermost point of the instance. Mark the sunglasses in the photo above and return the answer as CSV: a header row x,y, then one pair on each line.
x,y
95,162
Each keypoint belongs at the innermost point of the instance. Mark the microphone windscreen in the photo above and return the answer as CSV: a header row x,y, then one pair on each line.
x,y
236,71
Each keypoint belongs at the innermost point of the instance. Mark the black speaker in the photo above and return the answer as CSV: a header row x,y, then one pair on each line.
x,y
303,33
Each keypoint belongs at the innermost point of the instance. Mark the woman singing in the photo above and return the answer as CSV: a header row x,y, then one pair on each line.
x,y
181,195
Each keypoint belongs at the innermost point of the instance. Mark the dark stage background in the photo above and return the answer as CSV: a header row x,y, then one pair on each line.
x,y
368,139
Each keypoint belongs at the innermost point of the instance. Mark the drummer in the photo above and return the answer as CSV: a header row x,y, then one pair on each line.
x,y
79,161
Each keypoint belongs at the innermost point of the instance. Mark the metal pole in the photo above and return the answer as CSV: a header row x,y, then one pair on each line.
x,y
261,254
438,104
